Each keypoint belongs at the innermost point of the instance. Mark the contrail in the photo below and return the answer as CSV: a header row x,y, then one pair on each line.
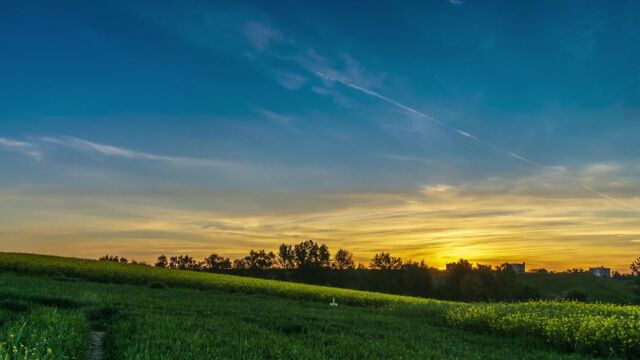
x,y
380,96
612,198
466,134
425,116
460,132
519,157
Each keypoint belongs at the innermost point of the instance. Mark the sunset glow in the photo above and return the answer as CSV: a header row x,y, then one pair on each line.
x,y
422,132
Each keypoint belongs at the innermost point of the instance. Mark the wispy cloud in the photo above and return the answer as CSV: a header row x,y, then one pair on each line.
x,y
352,75
598,169
466,134
275,117
375,94
616,200
289,80
348,83
408,158
119,152
449,223
345,68
26,148
283,120
439,190
261,35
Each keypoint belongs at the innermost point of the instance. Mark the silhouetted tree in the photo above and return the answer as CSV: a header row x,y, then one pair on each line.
x,y
635,267
384,261
462,265
343,260
162,261
286,257
240,264
509,289
471,287
488,285
258,260
506,279
309,255
113,259
635,272
456,272
416,279
183,262
216,262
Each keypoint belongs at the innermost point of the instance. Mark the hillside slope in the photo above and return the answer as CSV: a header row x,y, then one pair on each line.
x,y
609,330
596,288
176,323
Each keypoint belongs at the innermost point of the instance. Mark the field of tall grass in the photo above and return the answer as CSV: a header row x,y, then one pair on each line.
x,y
43,333
261,318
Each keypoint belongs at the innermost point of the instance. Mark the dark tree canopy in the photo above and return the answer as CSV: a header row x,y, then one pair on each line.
x,y
117,259
461,266
635,267
216,262
162,261
310,262
286,257
384,261
183,262
308,254
240,264
343,260
256,260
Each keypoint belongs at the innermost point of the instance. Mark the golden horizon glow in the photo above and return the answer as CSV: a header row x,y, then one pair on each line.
x,y
441,226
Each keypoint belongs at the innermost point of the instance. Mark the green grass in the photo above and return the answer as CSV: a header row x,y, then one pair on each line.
x,y
44,333
556,286
147,323
596,288
202,316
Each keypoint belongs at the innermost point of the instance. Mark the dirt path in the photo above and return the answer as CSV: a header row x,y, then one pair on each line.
x,y
97,349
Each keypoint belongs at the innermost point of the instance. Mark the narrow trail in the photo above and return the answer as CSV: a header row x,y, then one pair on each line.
x,y
97,349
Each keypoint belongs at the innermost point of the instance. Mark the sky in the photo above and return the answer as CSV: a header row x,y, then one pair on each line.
x,y
435,130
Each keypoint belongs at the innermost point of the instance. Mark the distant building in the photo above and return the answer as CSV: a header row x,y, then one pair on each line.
x,y
518,268
601,271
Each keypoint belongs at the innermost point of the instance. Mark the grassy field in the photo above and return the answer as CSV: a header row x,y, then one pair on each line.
x,y
151,313
554,286
595,288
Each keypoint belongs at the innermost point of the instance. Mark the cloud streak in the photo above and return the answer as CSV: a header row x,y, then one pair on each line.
x,y
606,196
455,130
261,35
557,233
22,147
119,152
275,117
424,116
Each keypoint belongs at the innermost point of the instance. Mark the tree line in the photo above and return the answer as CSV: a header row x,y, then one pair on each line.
x,y
312,263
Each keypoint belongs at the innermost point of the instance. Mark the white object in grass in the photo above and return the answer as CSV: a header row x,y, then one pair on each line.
x,y
333,303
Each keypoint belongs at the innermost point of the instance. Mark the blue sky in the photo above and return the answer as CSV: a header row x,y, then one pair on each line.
x,y
252,112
